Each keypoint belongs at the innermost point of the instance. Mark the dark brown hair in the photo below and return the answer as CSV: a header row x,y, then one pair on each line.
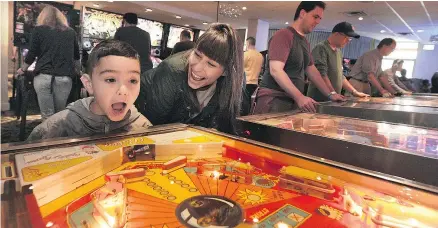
x,y
221,43
107,48
308,6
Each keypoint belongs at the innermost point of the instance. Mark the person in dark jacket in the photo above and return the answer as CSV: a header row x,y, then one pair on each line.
x,y
139,39
202,86
113,75
55,45
185,42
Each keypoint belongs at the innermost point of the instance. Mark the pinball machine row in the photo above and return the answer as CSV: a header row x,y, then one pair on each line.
x,y
180,176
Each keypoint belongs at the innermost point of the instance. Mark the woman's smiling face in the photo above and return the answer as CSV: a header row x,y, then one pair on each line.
x,y
203,71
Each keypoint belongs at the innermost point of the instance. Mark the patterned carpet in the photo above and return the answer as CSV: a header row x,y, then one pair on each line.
x,y
10,125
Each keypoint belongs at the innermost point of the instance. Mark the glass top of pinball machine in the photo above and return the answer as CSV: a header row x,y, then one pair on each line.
x,y
424,101
415,140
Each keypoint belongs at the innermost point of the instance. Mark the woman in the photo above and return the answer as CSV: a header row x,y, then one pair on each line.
x,y
202,86
55,45
391,82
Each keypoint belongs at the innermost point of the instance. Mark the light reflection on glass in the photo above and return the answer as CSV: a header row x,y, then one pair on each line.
x,y
406,138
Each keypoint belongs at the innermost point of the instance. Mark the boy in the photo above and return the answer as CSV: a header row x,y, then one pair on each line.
x,y
113,78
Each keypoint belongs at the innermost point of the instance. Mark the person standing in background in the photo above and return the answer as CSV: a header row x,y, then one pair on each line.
x,y
391,82
56,46
328,60
369,66
407,82
252,60
139,39
283,83
434,81
185,42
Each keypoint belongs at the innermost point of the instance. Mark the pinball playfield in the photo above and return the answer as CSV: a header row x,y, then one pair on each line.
x,y
222,182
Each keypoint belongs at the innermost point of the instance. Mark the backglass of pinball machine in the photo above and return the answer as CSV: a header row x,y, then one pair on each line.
x,y
182,176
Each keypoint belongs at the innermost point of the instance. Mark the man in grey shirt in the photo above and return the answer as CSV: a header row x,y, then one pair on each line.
x,y
369,66
328,61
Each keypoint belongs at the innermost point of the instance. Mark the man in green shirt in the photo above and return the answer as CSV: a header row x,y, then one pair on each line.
x,y
328,61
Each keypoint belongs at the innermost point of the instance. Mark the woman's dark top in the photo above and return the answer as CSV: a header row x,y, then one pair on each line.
x,y
165,97
55,49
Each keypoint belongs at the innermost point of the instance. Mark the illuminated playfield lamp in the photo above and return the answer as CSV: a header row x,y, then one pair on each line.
x,y
287,23
148,10
177,17
360,18
244,8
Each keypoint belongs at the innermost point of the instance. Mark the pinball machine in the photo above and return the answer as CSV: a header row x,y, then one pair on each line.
x,y
400,150
184,176
418,110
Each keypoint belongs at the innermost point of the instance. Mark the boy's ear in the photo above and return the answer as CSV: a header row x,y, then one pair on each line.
x,y
86,81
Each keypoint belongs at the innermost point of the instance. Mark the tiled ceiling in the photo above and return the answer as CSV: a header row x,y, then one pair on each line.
x,y
392,16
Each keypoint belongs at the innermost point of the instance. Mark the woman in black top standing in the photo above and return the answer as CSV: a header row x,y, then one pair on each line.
x,y
55,45
202,86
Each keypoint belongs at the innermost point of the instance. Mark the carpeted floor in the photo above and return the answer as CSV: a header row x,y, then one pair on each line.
x,y
10,125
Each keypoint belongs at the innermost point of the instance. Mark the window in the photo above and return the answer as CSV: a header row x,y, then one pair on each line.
x,y
408,65
405,50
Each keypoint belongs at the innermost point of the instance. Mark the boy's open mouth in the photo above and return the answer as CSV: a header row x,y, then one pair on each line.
x,y
118,107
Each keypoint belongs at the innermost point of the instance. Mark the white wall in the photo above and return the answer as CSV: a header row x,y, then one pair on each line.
x,y
260,31
427,63
4,43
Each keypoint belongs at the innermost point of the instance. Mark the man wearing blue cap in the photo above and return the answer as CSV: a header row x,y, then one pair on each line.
x,y
327,57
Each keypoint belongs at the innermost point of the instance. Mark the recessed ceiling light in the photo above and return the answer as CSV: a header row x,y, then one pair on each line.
x,y
244,8
96,5
360,18
186,25
177,17
287,23
420,30
382,31
204,23
148,10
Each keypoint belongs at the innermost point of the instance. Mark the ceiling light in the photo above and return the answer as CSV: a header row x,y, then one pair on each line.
x,y
360,18
96,5
177,17
230,10
244,8
382,31
420,30
186,25
110,1
287,23
148,10
204,23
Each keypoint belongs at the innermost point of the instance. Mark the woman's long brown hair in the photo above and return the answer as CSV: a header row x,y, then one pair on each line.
x,y
222,44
